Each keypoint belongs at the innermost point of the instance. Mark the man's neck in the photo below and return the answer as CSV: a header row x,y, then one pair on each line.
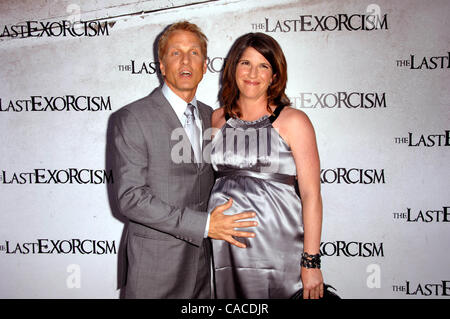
x,y
187,95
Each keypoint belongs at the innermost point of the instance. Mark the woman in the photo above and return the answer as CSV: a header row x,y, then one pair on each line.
x,y
262,149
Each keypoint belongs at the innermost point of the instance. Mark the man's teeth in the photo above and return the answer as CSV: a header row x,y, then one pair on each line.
x,y
186,73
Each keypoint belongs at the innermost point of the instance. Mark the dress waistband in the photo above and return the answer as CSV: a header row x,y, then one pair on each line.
x,y
277,177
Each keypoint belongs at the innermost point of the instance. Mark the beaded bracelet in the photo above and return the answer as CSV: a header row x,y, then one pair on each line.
x,y
310,261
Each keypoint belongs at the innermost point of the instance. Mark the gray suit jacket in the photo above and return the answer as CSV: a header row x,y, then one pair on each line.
x,y
165,202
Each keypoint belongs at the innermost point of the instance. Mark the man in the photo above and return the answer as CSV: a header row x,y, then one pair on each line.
x,y
165,199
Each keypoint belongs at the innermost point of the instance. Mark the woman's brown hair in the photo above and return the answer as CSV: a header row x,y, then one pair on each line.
x,y
271,50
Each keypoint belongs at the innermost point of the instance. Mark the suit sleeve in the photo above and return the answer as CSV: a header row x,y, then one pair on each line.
x,y
135,198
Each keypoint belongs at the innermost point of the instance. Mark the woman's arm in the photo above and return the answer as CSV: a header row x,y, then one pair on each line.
x,y
298,132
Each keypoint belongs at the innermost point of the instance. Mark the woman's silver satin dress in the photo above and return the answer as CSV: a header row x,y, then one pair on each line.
x,y
255,167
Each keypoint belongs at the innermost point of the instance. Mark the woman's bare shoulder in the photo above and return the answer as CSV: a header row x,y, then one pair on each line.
x,y
293,117
218,117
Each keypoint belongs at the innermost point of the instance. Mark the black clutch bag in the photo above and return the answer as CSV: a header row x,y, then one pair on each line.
x,y
327,293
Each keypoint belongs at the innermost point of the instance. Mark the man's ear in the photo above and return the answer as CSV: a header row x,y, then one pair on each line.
x,y
162,68
205,66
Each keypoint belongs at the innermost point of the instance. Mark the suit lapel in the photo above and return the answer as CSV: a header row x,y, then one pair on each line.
x,y
165,110
206,133
169,116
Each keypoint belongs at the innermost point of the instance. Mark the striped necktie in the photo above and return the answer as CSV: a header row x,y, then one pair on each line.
x,y
193,132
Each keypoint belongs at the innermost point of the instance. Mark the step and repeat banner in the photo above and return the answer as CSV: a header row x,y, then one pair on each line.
x,y
373,77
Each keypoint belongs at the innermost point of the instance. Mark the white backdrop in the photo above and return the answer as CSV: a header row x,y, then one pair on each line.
x,y
372,77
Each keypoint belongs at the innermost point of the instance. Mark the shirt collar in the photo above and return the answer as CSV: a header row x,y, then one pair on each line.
x,y
177,103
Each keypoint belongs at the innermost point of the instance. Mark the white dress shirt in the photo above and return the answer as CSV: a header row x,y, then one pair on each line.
x,y
179,106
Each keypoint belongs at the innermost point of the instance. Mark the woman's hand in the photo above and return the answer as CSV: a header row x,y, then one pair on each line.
x,y
312,283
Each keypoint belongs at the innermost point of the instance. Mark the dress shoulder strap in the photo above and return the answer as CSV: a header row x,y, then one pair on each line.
x,y
276,113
